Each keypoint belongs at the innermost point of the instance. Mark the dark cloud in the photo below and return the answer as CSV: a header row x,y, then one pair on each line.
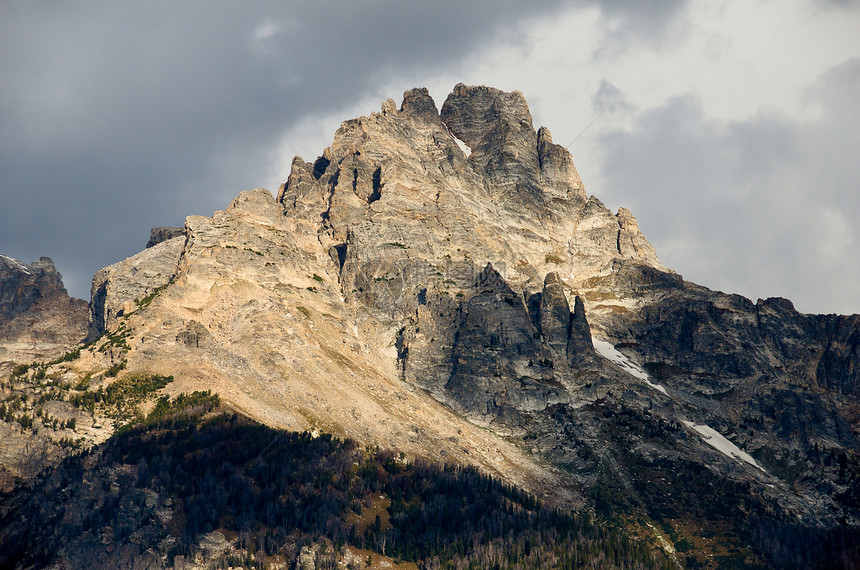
x,y
117,117
629,24
764,207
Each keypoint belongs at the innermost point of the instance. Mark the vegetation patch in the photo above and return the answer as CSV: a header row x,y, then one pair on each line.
x,y
25,404
116,368
122,398
67,357
146,301
20,370
117,339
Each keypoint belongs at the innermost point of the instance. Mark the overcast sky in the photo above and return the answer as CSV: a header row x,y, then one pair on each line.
x,y
730,129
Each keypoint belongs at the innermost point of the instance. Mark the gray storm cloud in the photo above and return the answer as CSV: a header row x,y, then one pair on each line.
x,y
122,116
118,117
765,199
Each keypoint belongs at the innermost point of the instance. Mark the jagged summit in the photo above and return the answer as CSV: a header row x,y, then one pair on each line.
x,y
438,282
22,285
516,200
38,319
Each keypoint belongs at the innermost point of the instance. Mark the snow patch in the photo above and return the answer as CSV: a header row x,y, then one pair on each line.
x,y
608,351
20,265
463,146
713,438
467,150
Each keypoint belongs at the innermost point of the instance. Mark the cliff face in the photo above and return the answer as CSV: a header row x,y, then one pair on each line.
x,y
116,288
440,283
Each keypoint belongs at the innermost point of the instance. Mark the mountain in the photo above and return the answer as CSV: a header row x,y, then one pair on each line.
x,y
439,284
38,319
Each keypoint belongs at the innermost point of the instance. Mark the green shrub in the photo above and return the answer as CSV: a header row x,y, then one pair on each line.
x,y
84,383
149,298
67,357
165,407
20,370
116,368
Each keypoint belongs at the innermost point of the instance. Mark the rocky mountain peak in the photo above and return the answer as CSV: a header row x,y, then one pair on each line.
x,y
476,183
554,313
38,319
419,103
497,126
22,285
552,279
631,243
479,114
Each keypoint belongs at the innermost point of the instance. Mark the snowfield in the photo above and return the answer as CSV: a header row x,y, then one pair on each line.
x,y
608,351
713,438
467,150
18,264
463,146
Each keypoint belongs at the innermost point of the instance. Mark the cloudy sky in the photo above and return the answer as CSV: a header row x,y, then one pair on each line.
x,y
730,129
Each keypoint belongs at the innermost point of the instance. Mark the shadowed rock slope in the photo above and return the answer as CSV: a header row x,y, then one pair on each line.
x,y
221,491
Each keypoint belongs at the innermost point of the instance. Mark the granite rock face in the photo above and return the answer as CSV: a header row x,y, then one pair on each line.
x,y
580,349
496,367
38,319
555,317
396,193
120,288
